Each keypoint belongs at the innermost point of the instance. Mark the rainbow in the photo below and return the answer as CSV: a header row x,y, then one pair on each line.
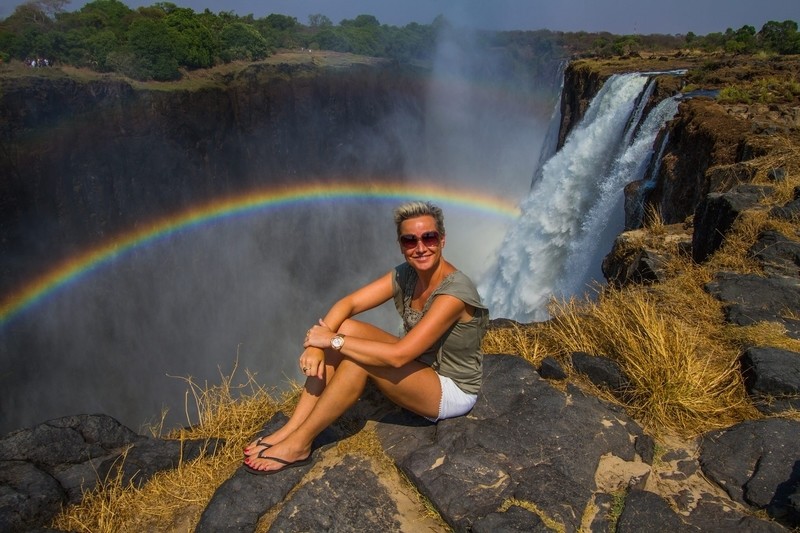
x,y
78,266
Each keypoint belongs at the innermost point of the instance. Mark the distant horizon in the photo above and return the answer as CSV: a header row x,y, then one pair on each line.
x,y
621,17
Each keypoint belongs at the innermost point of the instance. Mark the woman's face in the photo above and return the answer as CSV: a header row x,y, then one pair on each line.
x,y
421,242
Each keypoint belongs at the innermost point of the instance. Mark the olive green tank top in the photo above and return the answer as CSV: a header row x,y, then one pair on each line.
x,y
456,354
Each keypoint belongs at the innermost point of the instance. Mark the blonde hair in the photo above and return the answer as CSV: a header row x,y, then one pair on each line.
x,y
419,209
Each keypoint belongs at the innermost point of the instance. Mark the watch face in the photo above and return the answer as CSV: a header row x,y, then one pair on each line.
x,y
337,342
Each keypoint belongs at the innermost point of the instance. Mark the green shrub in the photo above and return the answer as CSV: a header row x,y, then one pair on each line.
x,y
734,95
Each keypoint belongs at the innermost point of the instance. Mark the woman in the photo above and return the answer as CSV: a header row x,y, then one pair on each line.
x,y
434,370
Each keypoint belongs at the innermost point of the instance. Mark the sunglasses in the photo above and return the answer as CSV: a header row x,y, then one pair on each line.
x,y
430,239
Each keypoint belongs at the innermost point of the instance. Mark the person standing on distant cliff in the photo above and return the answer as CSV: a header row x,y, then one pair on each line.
x,y
434,369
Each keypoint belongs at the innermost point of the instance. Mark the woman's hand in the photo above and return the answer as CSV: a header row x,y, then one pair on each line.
x,y
312,361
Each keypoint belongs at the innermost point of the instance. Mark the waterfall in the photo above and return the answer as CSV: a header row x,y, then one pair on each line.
x,y
575,209
634,211
606,216
550,144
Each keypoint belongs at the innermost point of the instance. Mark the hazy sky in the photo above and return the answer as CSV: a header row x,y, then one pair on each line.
x,y
616,16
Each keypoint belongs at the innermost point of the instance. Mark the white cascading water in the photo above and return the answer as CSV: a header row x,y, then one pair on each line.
x,y
550,144
574,209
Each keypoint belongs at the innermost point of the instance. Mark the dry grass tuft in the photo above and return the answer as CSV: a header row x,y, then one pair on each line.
x,y
784,153
521,340
654,221
761,334
733,256
681,380
175,499
551,523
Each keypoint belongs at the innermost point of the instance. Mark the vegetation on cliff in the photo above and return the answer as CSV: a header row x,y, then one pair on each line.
x,y
163,40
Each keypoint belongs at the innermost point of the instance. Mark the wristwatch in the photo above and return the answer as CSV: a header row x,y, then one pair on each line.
x,y
337,341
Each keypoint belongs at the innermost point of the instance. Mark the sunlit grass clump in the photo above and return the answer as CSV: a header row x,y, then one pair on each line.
x,y
682,379
174,499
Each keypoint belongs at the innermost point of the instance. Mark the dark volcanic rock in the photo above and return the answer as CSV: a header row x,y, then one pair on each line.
x,y
52,464
789,211
29,497
772,378
715,518
349,497
631,260
551,369
749,299
716,214
647,511
646,267
514,519
778,255
149,456
601,371
524,439
757,462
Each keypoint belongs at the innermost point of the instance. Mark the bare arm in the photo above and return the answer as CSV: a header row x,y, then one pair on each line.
x,y
443,313
363,299
367,297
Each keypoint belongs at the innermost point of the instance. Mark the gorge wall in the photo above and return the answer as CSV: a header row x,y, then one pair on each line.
x,y
81,160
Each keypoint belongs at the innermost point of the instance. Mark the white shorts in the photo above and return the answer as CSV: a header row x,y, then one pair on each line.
x,y
454,401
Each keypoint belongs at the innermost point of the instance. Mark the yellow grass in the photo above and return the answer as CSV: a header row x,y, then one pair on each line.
x,y
173,500
551,523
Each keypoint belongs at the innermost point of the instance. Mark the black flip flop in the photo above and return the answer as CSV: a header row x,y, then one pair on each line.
x,y
286,464
265,445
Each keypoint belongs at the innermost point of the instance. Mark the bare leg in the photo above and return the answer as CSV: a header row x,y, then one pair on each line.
x,y
414,386
313,388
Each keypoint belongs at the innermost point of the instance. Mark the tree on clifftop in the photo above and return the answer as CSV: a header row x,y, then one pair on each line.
x,y
242,41
781,37
153,50
195,45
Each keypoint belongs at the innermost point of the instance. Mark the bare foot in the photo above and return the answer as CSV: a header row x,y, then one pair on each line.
x,y
261,443
278,457
266,441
